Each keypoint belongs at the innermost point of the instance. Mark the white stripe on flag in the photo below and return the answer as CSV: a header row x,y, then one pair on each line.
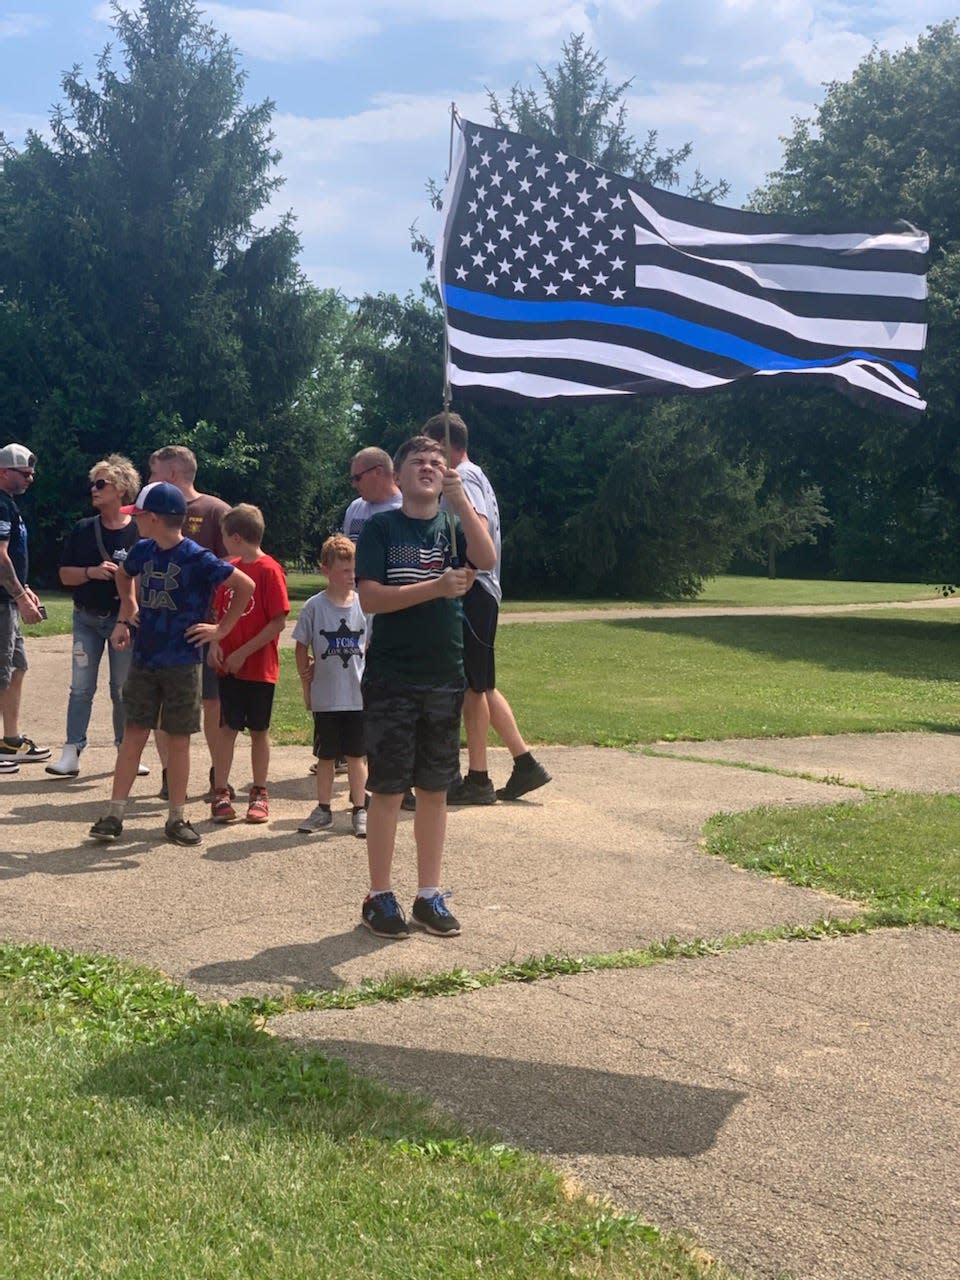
x,y
632,360
689,234
533,385
857,374
879,335
798,278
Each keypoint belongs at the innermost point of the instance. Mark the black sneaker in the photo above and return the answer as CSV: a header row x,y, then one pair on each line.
x,y
409,801
468,791
164,792
107,828
383,915
432,914
211,791
22,750
522,780
181,832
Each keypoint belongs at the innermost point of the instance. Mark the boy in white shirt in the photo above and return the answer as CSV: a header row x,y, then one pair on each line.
x,y
330,638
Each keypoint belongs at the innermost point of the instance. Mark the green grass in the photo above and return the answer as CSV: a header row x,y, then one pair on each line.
x,y
147,1135
620,682
727,591
900,854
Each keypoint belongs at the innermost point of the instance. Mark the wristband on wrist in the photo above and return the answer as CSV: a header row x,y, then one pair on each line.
x,y
131,626
86,573
20,593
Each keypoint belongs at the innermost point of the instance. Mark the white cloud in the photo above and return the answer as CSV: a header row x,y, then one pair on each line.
x,y
732,138
15,124
15,25
280,37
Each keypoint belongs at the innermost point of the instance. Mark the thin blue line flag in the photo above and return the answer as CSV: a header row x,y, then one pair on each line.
x,y
560,279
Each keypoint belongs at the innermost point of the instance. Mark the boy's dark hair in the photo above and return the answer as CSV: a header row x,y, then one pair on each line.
x,y
416,444
172,520
434,428
246,521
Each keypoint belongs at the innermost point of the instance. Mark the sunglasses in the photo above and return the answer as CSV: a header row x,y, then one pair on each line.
x,y
27,475
100,484
358,476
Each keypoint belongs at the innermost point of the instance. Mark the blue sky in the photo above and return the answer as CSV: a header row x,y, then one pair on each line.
x,y
362,90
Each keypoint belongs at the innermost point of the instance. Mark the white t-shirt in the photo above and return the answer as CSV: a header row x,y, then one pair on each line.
x,y
360,511
481,497
337,636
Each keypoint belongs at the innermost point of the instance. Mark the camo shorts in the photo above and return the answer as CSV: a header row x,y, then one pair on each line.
x,y
165,698
412,736
13,656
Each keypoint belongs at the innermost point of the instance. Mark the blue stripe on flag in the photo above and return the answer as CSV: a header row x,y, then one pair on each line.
x,y
698,336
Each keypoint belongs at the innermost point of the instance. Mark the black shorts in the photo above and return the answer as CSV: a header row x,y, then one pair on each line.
x,y
246,704
210,681
480,613
412,736
337,733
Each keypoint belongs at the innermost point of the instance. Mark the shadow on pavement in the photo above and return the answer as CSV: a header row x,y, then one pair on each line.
x,y
311,966
578,1111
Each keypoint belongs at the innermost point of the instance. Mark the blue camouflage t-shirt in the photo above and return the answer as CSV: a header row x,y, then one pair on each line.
x,y
176,590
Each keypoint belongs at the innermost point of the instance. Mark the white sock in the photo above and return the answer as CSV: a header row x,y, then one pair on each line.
x,y
428,892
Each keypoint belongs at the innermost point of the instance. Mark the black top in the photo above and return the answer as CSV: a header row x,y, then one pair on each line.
x,y
80,549
14,532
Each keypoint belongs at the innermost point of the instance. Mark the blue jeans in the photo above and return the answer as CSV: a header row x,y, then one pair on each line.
x,y
90,634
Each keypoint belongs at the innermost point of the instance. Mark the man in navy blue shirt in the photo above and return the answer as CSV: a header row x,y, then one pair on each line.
x,y
17,604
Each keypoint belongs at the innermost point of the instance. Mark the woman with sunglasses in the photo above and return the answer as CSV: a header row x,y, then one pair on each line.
x,y
94,549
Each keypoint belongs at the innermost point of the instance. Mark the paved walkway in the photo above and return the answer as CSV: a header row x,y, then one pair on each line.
x,y
794,1107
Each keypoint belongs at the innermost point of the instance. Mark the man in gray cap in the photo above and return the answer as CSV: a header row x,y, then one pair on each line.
x,y
17,604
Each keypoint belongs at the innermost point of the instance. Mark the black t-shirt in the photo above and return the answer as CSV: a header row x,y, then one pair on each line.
x,y
13,532
81,549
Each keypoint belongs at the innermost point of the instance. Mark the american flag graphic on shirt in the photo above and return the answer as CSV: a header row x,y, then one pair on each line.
x,y
407,562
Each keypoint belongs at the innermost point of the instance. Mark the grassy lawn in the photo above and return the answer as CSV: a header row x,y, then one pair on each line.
x,y
898,853
727,591
639,681
149,1136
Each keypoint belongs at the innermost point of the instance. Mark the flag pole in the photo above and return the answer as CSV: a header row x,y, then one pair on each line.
x,y
454,118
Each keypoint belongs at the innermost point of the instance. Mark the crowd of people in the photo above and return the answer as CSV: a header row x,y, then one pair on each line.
x,y
175,586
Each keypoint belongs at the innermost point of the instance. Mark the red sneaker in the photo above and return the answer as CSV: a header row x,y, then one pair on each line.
x,y
221,810
258,809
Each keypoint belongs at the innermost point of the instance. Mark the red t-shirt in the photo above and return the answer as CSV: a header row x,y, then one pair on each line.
x,y
269,598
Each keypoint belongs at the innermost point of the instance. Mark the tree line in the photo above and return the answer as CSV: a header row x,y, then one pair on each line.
x,y
141,304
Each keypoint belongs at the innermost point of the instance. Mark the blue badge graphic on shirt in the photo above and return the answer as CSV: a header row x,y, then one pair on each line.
x,y
343,644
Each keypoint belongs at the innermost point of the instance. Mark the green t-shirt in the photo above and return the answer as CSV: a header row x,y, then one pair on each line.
x,y
422,645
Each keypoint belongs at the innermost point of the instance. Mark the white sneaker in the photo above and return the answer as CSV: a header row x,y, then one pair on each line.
x,y
68,766
142,770
360,823
318,820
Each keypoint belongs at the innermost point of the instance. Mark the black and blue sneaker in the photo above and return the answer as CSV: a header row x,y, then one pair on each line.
x,y
383,915
432,914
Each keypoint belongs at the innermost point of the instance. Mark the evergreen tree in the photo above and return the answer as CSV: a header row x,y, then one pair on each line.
x,y
138,298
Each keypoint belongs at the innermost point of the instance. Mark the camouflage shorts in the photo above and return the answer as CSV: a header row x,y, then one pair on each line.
x,y
412,736
165,698
13,656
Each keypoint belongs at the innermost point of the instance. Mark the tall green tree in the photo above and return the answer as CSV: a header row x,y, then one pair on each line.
x,y
577,104
137,295
883,144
